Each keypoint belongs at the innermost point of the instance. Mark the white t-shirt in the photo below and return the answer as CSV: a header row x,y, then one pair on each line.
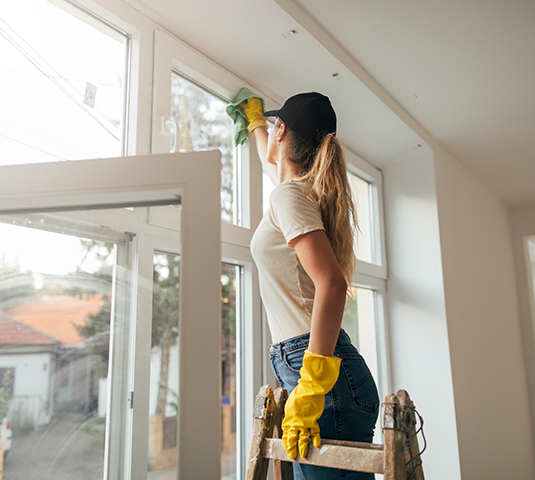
x,y
287,291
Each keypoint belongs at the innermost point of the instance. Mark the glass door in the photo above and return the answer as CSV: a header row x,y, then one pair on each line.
x,y
90,306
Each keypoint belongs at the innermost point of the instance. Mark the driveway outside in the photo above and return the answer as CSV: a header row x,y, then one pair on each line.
x,y
69,447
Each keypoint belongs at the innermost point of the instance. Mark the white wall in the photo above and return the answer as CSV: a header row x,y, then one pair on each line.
x,y
522,221
31,388
420,354
489,378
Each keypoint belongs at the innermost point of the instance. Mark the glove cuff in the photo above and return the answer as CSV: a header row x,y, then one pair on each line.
x,y
259,122
319,373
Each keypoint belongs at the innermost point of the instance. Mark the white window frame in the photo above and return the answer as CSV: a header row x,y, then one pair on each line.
x,y
374,275
359,167
171,54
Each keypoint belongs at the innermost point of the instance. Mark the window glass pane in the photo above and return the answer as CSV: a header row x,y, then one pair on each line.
x,y
164,395
230,313
361,197
267,188
62,84
359,323
204,125
163,403
55,317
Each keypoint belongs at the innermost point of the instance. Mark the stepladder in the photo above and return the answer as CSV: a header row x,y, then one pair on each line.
x,y
398,458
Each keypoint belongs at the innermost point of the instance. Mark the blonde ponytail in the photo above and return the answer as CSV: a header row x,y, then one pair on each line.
x,y
331,191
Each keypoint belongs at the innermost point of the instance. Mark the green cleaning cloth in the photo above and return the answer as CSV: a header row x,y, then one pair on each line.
x,y
239,119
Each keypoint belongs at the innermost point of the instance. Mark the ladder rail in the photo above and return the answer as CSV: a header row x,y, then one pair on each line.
x,y
398,459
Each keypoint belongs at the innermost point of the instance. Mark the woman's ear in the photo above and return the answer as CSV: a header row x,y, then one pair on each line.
x,y
281,133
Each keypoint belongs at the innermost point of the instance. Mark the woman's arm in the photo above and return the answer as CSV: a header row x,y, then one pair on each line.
x,y
261,137
253,108
319,262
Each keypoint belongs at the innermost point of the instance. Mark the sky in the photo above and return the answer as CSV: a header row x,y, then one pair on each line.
x,y
42,252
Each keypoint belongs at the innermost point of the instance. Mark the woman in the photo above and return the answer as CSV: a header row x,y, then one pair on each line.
x,y
303,248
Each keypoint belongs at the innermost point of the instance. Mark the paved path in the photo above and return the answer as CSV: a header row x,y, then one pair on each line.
x,y
68,448
71,447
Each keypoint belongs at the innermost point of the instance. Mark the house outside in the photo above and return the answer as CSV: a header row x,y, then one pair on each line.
x,y
51,369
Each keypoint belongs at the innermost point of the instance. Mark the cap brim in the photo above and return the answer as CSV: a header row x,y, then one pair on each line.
x,y
272,113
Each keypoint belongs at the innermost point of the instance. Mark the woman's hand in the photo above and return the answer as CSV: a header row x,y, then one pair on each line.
x,y
255,113
305,404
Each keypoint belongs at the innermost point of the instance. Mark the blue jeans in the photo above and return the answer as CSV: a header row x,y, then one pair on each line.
x,y
351,407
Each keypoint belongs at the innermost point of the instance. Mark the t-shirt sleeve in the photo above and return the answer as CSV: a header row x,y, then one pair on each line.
x,y
293,212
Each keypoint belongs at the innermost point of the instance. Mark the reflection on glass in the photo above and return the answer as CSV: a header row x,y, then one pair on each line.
x,y
54,65
55,297
361,197
164,395
204,125
230,312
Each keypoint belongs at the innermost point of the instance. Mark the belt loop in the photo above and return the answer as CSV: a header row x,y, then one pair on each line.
x,y
280,350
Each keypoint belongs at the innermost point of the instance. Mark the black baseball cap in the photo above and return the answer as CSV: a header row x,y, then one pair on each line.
x,y
310,115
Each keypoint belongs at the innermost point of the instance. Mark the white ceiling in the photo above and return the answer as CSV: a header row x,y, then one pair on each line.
x,y
464,70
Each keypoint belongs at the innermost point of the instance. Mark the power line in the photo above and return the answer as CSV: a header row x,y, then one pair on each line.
x,y
30,146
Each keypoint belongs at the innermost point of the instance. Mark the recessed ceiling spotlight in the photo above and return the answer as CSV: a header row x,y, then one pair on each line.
x,y
290,34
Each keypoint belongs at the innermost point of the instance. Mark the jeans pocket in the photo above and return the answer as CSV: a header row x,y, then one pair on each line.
x,y
361,383
293,359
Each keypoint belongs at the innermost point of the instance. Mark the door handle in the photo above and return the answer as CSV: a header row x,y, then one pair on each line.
x,y
168,127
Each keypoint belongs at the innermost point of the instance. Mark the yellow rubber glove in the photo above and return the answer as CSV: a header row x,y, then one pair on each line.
x,y
305,404
253,109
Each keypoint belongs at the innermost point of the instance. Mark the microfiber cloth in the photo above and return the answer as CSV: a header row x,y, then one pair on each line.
x,y
239,119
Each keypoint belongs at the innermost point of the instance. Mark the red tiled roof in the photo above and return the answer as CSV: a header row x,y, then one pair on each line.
x,y
57,316
15,333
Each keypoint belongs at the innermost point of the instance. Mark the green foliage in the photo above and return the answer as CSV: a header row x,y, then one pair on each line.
x,y
165,297
350,319
204,125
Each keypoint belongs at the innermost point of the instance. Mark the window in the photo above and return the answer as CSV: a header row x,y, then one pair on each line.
x,y
363,204
166,75
55,312
62,87
194,91
364,316
204,125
